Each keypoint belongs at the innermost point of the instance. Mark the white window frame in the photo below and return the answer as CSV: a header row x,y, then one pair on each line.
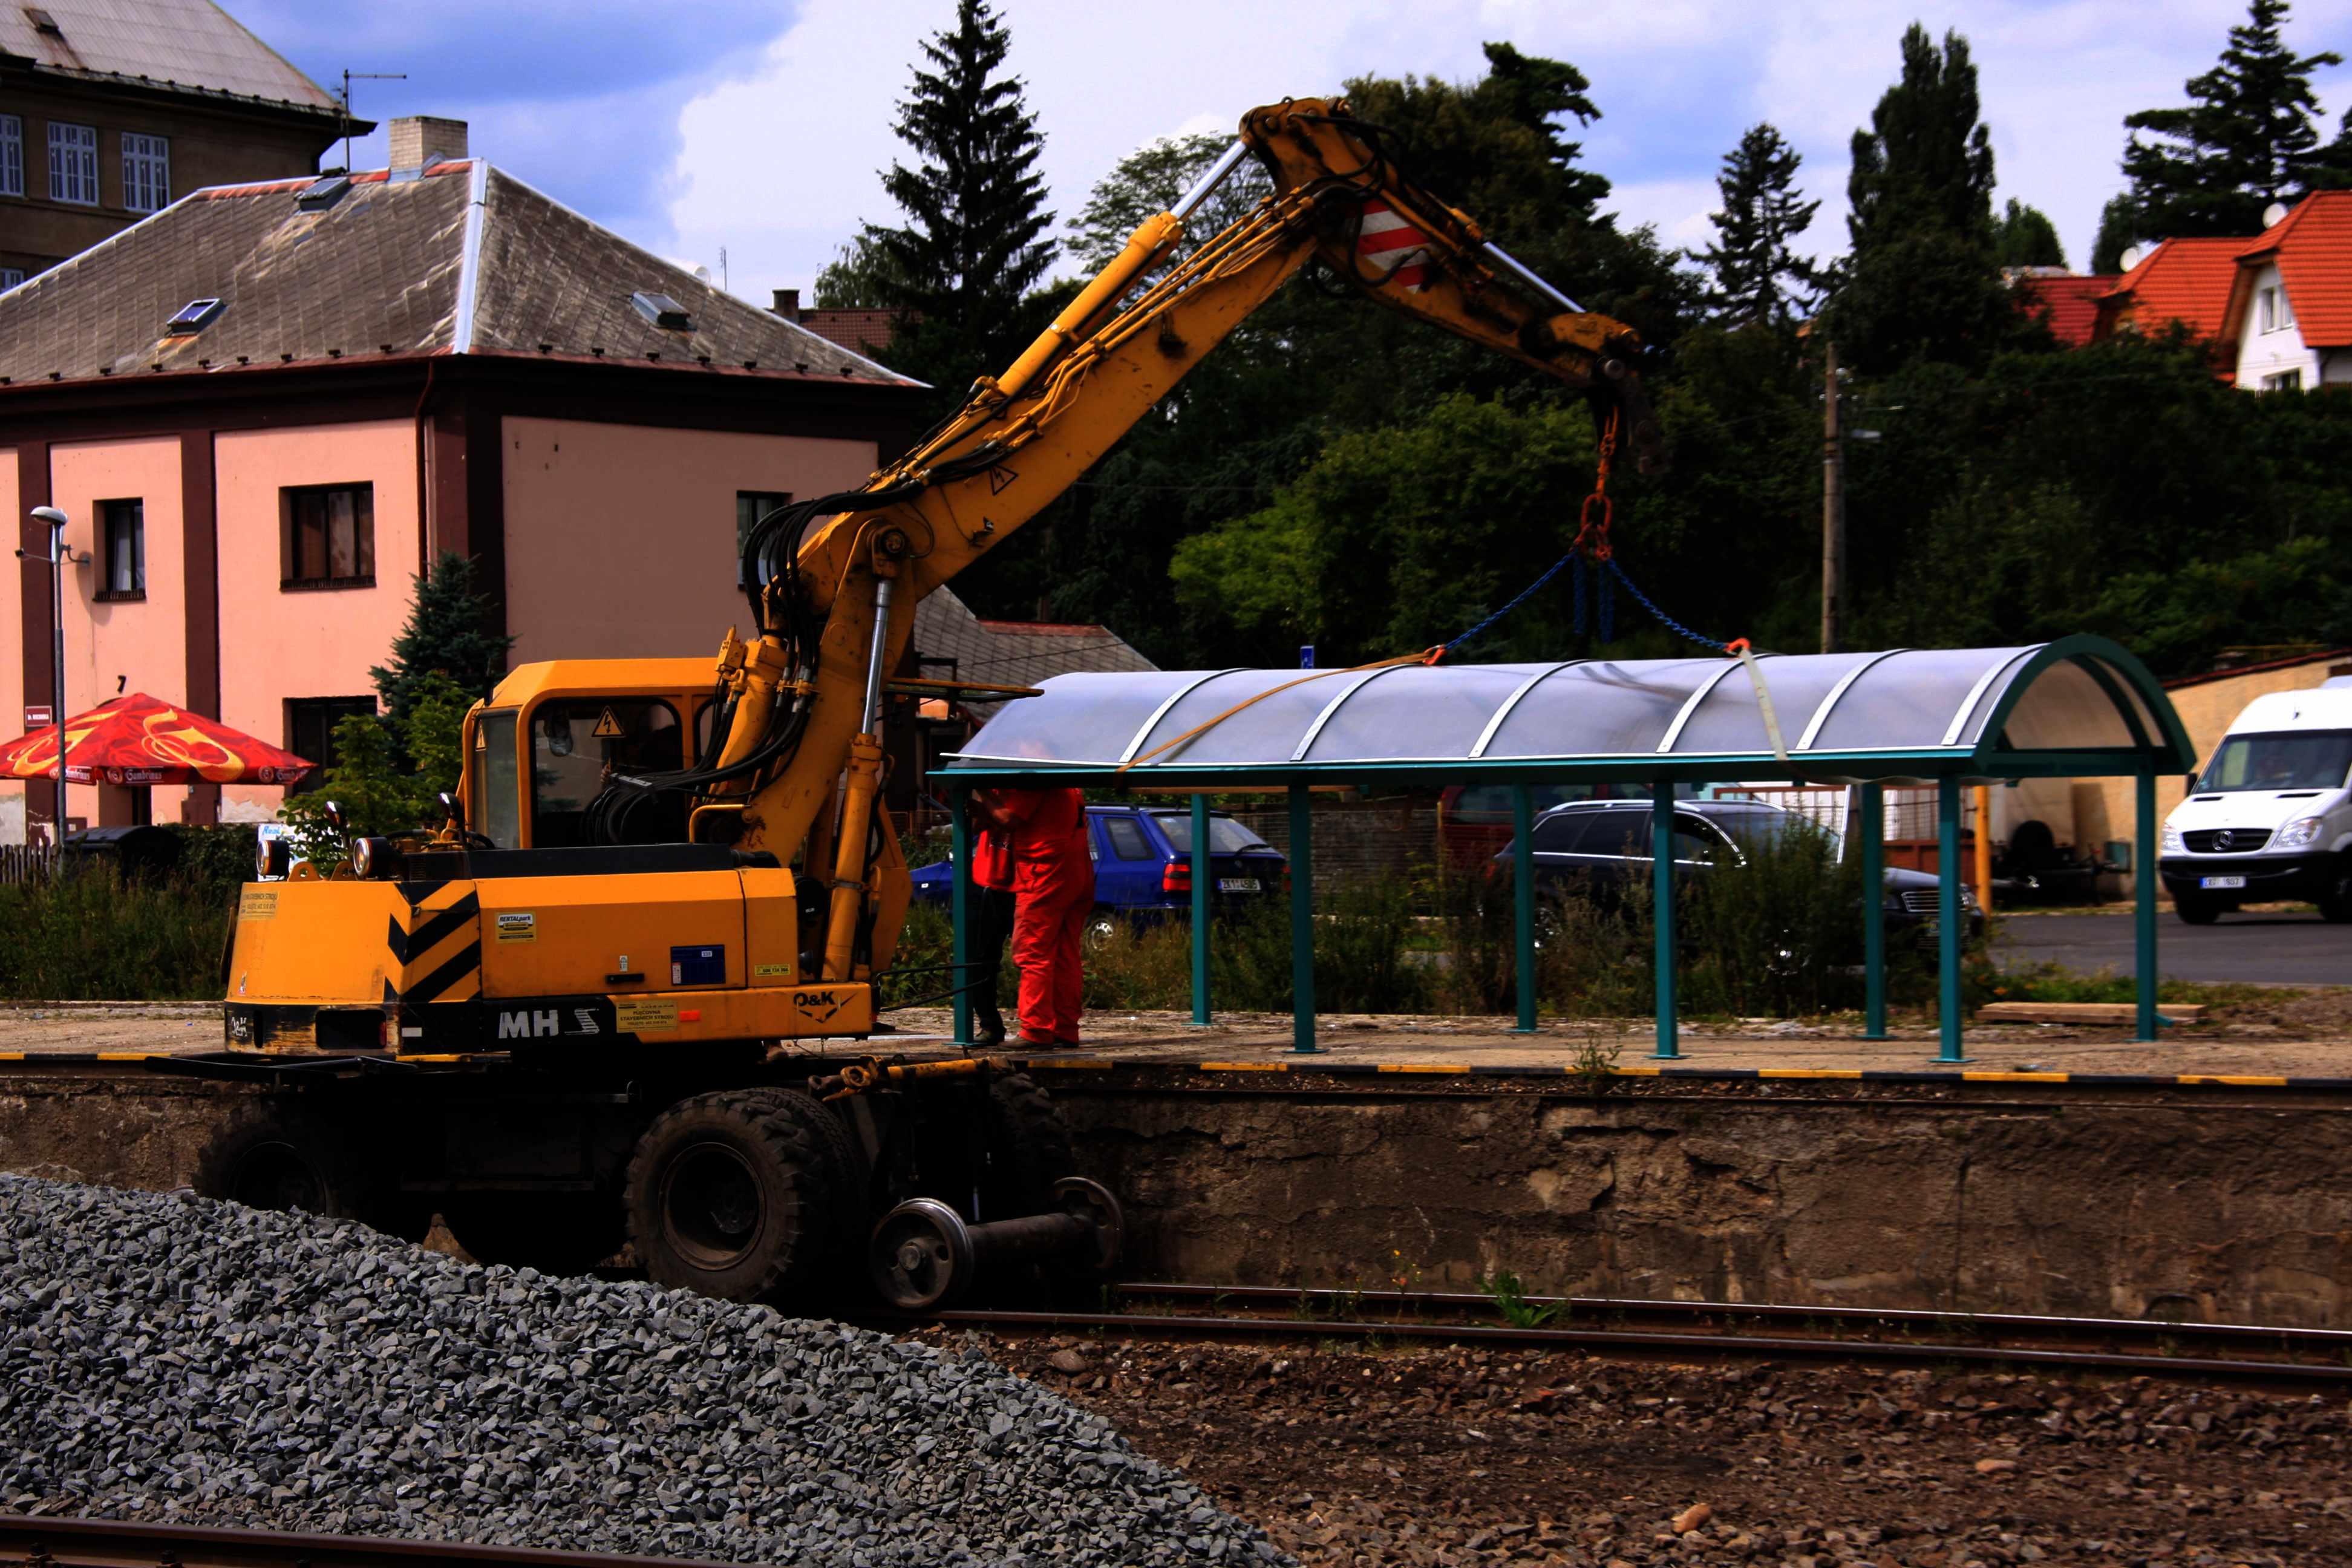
x,y
73,163
146,171
2266,309
12,155
2286,308
11,276
2284,381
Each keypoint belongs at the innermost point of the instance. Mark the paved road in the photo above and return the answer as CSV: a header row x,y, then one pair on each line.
x,y
2261,950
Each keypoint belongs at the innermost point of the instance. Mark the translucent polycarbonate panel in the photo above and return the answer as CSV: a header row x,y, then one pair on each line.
x,y
1730,722
1907,702
1266,730
2062,708
1602,709
2149,726
1414,712
1079,718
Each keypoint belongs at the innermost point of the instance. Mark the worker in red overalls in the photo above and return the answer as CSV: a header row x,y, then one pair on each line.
x,y
1053,894
992,912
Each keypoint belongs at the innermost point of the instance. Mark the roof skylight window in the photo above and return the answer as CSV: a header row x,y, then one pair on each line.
x,y
662,311
194,317
323,192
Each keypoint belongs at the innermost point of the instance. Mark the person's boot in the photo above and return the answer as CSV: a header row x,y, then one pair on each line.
x,y
987,1026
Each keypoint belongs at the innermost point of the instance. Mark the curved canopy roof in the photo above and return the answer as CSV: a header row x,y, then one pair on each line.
x,y
2082,706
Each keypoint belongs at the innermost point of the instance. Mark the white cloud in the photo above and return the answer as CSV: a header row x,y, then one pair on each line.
x,y
780,164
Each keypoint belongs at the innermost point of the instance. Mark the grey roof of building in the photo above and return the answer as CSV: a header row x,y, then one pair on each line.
x,y
190,45
460,257
1011,653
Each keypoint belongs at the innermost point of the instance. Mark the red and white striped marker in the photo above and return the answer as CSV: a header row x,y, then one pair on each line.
x,y
1397,251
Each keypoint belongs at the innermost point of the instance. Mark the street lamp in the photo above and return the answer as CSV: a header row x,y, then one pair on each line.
x,y
59,558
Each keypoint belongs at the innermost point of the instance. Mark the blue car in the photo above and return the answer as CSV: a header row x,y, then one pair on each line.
x,y
1143,866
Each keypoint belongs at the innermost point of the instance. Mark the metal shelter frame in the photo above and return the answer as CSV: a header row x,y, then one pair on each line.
x,y
2079,707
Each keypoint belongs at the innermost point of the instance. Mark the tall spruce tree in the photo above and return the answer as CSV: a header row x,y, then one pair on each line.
x,y
1759,280
2024,237
1923,281
2246,139
975,238
2331,168
447,633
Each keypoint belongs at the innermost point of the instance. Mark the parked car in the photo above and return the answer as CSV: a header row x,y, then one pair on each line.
x,y
1143,866
1593,847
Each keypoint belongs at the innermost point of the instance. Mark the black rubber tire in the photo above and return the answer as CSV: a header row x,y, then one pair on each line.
x,y
282,1160
1028,1148
2335,901
842,1158
732,1195
561,1234
2196,911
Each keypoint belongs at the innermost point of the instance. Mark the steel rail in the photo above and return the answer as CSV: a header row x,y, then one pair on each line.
x,y
66,1542
2328,1341
1776,1347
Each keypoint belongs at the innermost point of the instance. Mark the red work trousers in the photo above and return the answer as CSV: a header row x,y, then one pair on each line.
x,y
1049,919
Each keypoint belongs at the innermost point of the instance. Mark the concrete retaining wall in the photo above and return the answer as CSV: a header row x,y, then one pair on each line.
x,y
2236,1210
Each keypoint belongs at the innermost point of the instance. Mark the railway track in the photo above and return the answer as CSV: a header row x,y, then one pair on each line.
x,y
66,1542
2120,1345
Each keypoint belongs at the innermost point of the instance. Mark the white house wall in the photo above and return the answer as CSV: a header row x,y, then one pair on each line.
x,y
2262,354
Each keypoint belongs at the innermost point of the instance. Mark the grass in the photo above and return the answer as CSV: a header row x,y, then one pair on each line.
x,y
2048,982
90,936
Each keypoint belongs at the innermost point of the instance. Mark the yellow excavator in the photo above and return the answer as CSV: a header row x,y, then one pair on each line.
x,y
594,1005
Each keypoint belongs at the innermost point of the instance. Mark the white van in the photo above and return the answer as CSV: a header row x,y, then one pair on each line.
x,y
2271,817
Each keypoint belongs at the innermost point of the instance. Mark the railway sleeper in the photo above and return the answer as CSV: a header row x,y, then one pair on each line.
x,y
796,1193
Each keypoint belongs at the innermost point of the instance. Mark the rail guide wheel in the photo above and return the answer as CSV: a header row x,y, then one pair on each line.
x,y
924,1256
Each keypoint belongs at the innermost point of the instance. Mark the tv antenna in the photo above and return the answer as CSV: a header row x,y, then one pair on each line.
x,y
350,76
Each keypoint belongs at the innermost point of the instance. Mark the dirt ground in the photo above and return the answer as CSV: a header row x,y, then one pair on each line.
x,y
2298,1032
1442,1456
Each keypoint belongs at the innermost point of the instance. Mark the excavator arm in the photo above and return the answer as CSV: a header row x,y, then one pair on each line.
x,y
834,582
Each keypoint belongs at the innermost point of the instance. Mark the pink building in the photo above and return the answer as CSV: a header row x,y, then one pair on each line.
x,y
268,406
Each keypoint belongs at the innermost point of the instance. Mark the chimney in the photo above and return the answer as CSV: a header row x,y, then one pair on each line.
x,y
788,304
418,140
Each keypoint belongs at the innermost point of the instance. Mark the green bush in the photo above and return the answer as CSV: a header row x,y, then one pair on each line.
x,y
214,862
1775,932
90,936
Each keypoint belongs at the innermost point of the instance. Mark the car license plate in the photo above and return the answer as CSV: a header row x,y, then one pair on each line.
x,y
1237,884
2221,881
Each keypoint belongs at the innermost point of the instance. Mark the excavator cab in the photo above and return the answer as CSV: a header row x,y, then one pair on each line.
x,y
542,753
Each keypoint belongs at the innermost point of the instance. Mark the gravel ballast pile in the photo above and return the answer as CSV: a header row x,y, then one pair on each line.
x,y
166,1356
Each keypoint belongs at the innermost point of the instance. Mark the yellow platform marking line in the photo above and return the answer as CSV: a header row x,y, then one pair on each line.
x,y
2251,1080
2016,1076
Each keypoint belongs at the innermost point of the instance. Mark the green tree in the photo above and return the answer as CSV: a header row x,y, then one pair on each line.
x,y
1758,279
976,237
449,634
2331,168
1150,181
2118,232
1921,281
389,772
2245,140
857,279
2024,237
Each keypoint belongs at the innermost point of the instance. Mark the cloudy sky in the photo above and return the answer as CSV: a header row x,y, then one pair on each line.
x,y
758,126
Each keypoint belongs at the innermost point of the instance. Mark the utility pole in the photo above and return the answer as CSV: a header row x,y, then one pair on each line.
x,y
348,77
1832,502
59,558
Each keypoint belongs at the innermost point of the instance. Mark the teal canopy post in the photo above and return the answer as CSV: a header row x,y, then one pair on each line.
x,y
959,905
1302,921
1523,904
2144,860
1661,900
1200,911
1872,829
1947,919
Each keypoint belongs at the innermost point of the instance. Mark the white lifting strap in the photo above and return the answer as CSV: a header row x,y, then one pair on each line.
x,y
1763,699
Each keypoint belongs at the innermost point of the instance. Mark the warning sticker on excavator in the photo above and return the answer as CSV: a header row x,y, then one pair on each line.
x,y
608,727
258,904
645,1017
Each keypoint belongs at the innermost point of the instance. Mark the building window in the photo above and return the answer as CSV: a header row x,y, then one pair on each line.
x,y
146,172
2266,310
2285,309
310,732
11,276
124,530
73,163
12,155
329,536
2285,381
751,505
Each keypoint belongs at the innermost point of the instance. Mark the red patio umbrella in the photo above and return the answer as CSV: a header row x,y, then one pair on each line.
x,y
137,739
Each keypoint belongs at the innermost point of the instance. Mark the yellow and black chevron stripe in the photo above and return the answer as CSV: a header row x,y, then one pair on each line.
x,y
436,948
